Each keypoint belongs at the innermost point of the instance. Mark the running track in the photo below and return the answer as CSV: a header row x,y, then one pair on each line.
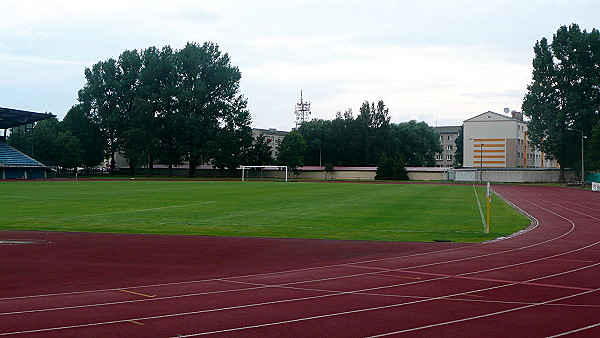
x,y
544,282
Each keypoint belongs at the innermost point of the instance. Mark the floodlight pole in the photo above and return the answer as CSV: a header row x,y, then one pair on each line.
x,y
582,164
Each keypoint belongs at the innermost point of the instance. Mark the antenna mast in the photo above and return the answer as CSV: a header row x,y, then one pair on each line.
x,y
302,111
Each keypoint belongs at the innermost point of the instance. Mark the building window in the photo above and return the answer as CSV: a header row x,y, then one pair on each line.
x,y
449,147
441,138
439,157
448,157
449,137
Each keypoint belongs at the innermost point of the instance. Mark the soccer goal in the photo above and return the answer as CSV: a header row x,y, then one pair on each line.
x,y
264,172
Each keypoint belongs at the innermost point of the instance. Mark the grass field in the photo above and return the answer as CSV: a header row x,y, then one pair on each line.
x,y
383,212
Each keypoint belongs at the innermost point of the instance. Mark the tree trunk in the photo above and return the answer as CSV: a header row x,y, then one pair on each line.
x,y
151,166
561,175
193,165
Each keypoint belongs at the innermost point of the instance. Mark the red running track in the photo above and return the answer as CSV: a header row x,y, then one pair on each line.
x,y
541,283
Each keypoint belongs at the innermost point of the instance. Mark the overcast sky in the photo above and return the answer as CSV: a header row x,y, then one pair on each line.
x,y
438,61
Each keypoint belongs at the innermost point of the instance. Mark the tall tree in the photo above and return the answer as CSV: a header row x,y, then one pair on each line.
x,y
459,143
207,92
88,133
100,99
564,93
291,150
53,144
260,152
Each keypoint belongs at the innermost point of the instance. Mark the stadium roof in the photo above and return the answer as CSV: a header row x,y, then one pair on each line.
x,y
13,117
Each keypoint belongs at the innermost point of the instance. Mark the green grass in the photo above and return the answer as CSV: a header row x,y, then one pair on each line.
x,y
383,212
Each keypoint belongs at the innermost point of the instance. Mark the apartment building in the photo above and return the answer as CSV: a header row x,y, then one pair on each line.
x,y
448,135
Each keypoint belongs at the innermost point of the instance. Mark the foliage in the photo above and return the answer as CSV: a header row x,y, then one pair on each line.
x,y
390,169
360,141
260,152
169,106
89,135
291,150
594,149
564,93
459,143
385,168
54,144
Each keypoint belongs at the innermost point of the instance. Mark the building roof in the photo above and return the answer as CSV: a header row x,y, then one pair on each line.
x,y
494,116
270,131
447,129
13,117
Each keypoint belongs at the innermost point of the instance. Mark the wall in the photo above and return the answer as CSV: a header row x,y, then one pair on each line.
x,y
511,175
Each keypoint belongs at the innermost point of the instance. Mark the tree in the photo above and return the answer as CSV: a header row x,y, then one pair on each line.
x,y
390,169
385,168
100,99
207,92
416,142
260,152
88,133
291,150
594,149
53,144
564,93
459,143
234,139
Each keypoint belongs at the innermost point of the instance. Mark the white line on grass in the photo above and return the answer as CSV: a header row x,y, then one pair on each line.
x,y
140,210
480,210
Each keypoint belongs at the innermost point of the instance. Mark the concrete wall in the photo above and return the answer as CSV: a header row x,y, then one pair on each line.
x,y
511,175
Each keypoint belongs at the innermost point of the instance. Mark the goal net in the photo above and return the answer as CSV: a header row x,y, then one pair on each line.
x,y
264,172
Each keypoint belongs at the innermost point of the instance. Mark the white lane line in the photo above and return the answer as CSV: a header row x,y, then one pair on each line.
x,y
576,330
398,305
483,316
336,293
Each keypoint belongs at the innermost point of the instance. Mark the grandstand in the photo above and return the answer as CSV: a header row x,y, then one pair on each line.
x,y
13,163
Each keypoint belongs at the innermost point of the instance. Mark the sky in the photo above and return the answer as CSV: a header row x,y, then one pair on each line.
x,y
438,61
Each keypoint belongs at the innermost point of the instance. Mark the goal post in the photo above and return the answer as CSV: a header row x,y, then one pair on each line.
x,y
245,169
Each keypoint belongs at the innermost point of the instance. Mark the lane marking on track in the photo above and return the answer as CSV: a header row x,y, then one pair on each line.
x,y
137,293
570,260
136,322
396,276
482,279
576,330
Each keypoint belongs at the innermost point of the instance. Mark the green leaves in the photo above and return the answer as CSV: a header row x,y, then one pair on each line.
x,y
564,93
170,105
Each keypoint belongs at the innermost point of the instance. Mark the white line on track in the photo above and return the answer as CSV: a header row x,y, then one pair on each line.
x,y
576,330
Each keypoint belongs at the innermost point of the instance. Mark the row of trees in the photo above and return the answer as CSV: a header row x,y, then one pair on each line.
x,y
362,140
156,106
563,100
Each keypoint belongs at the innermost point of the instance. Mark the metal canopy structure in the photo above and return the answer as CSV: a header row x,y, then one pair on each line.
x,y
13,117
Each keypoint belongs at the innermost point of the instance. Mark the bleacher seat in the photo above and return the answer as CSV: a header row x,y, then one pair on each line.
x,y
11,157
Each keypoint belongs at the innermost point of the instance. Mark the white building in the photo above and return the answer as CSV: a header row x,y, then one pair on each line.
x,y
494,140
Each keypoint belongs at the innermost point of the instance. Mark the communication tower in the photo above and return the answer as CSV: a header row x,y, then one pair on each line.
x,y
302,111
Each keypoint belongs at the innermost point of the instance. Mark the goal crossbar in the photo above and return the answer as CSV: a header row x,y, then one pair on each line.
x,y
276,167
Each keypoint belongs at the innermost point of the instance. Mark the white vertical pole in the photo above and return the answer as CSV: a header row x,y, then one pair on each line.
x,y
243,168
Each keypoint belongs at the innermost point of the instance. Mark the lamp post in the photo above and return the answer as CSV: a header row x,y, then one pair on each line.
x,y
582,137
